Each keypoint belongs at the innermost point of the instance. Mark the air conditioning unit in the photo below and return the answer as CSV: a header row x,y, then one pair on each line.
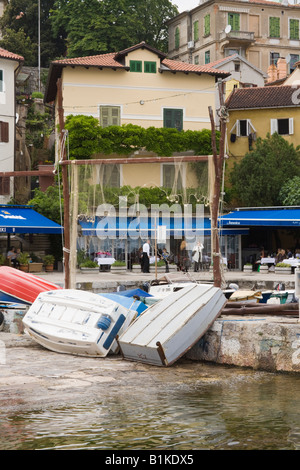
x,y
191,45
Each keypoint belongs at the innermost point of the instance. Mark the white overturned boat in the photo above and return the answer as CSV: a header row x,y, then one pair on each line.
x,y
167,329
170,282
77,322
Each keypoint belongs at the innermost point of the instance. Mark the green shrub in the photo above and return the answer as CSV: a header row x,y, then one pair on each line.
x,y
89,264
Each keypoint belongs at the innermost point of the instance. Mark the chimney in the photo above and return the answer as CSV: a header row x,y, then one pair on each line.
x,y
281,68
272,73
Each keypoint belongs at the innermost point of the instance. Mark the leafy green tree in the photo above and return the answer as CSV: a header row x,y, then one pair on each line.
x,y
92,27
48,203
259,177
19,43
290,192
22,16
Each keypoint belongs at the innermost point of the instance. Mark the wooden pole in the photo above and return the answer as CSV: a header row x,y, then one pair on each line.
x,y
218,160
155,248
65,182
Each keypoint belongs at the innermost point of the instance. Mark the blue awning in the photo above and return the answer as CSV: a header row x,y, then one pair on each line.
x,y
22,219
262,218
113,227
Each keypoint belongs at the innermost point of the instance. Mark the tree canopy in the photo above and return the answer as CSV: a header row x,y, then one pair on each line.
x,y
19,26
76,28
259,177
290,192
92,27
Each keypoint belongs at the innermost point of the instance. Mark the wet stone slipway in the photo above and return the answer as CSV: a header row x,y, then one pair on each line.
x,y
32,376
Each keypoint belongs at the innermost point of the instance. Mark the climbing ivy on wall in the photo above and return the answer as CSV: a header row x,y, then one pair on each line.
x,y
87,138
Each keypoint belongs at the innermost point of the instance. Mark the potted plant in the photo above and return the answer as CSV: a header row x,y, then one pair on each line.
x,y
248,268
283,268
118,266
23,259
88,266
264,268
136,268
48,263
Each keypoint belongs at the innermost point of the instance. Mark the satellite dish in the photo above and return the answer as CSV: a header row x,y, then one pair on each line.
x,y
228,29
288,58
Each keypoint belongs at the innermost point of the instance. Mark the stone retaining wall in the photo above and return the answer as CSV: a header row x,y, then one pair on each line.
x,y
270,344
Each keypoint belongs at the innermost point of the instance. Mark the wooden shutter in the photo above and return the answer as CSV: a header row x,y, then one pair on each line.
x,y
291,126
173,118
294,29
135,66
234,21
206,25
115,116
274,126
196,30
150,67
109,116
177,38
4,132
274,27
5,185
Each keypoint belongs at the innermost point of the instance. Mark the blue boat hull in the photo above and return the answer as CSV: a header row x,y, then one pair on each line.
x,y
10,298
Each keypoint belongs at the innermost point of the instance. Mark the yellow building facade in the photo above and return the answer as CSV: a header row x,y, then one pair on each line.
x,y
138,86
256,112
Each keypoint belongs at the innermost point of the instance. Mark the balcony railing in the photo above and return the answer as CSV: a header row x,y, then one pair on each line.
x,y
237,36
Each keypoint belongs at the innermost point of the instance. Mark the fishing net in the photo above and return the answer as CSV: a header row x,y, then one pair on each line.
x,y
104,189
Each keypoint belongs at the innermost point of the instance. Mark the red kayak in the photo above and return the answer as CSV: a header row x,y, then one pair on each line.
x,y
19,287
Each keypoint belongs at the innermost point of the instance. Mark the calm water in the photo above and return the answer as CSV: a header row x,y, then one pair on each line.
x,y
222,408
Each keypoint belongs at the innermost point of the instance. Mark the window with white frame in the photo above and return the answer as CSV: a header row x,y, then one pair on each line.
x,y
171,176
110,116
1,81
282,126
111,176
243,128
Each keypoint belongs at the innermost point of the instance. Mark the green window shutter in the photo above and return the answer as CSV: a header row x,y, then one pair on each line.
x,y
207,57
294,29
150,67
196,30
135,65
207,25
234,21
173,118
109,116
177,38
274,27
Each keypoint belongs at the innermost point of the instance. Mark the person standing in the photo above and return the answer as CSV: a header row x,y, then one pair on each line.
x,y
184,257
146,257
197,256
165,257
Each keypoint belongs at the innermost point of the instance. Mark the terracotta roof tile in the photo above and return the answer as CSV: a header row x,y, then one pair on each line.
x,y
177,66
4,54
115,60
220,61
264,97
102,60
110,60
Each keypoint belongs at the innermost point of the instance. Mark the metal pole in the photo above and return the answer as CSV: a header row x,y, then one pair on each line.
x,y
39,43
